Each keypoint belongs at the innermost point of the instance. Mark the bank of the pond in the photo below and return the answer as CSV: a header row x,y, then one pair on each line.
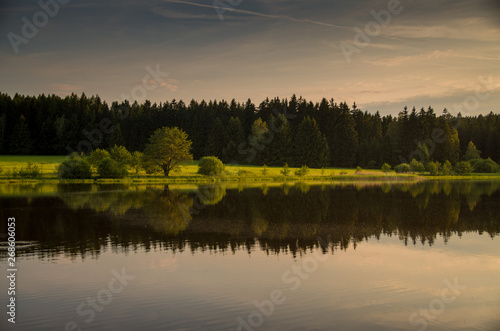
x,y
249,179
234,173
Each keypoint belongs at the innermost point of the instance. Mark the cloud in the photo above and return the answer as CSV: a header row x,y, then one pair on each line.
x,y
473,28
254,13
170,84
169,13
432,56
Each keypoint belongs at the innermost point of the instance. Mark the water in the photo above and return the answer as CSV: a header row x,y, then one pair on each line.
x,y
366,256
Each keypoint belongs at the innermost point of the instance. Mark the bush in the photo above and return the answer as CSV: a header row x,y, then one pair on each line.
x,y
417,166
137,161
74,168
30,171
210,166
96,156
109,168
358,169
433,168
484,166
120,154
245,173
264,170
304,170
463,168
386,168
286,170
446,168
402,168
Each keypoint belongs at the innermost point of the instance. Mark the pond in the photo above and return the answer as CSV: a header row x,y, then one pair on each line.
x,y
342,256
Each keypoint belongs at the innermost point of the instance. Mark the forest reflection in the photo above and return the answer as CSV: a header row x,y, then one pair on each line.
x,y
84,220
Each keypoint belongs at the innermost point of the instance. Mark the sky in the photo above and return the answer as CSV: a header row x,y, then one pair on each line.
x,y
382,54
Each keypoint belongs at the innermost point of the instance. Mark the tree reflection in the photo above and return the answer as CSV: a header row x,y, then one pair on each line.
x,y
87,219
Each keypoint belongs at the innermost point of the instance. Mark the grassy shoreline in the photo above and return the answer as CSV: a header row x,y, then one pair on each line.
x,y
233,174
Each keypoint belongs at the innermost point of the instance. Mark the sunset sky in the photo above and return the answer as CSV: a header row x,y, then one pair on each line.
x,y
439,53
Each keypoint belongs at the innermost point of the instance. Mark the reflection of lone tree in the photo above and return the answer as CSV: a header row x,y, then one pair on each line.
x,y
167,148
168,211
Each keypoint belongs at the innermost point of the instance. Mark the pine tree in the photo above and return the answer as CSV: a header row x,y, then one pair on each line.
x,y
344,140
20,142
217,139
279,149
472,153
259,140
235,137
310,147
116,137
3,127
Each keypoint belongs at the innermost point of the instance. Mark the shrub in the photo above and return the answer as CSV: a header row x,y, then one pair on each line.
x,y
30,171
74,168
245,173
402,168
416,166
433,168
358,169
386,168
286,170
304,170
323,171
96,156
109,168
137,160
120,154
463,168
484,166
210,166
264,170
446,168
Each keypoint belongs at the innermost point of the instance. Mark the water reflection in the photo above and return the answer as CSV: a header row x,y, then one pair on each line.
x,y
83,220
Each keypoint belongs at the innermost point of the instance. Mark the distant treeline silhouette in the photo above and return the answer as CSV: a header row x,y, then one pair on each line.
x,y
276,131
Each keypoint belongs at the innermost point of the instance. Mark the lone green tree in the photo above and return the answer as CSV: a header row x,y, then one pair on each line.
x,y
167,149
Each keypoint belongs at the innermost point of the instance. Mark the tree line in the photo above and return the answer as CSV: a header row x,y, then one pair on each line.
x,y
277,131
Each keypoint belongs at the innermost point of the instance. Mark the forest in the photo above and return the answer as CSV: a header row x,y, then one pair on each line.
x,y
277,131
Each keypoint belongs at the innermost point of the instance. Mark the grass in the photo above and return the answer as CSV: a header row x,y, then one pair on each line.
x,y
234,173
47,163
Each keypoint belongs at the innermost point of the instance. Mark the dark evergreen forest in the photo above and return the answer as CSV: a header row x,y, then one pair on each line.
x,y
276,131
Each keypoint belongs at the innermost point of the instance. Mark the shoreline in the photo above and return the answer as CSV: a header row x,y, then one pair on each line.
x,y
190,180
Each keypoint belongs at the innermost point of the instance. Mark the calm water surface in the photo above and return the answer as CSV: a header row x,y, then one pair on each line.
x,y
408,256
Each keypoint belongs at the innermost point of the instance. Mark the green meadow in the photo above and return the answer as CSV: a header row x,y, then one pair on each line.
x,y
233,173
